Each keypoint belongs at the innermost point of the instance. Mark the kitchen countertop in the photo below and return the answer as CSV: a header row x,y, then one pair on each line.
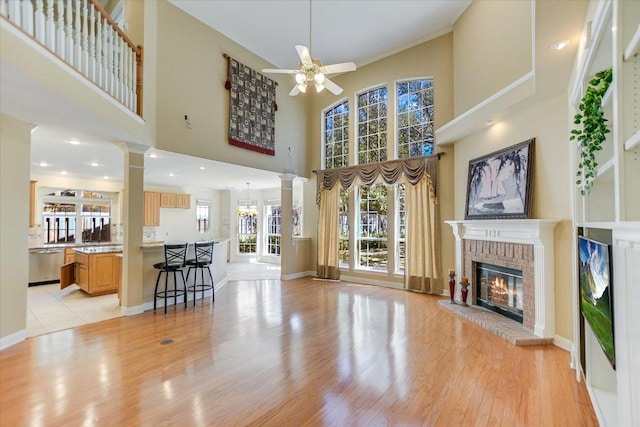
x,y
99,249
74,245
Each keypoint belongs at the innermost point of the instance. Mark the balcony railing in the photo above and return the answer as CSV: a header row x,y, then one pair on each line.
x,y
82,34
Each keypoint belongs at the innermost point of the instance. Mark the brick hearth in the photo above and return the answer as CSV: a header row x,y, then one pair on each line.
x,y
517,256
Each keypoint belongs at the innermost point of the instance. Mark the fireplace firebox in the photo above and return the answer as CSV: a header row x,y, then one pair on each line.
x,y
500,289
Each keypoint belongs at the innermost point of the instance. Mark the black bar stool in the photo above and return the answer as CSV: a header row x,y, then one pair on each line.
x,y
202,261
174,261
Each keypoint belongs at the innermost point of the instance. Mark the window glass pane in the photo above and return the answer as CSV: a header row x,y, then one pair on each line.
x,y
59,222
373,228
247,226
336,136
402,227
343,228
415,118
274,226
372,126
95,223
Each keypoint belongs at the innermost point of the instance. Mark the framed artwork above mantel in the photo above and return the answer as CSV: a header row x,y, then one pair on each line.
x,y
499,184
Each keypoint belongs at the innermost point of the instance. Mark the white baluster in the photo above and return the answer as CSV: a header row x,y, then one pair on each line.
x,y
60,36
121,81
92,43
127,76
85,39
39,22
27,17
69,32
50,26
99,61
105,55
109,83
14,12
77,38
4,10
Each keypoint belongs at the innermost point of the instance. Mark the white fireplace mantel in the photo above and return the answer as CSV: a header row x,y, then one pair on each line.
x,y
536,232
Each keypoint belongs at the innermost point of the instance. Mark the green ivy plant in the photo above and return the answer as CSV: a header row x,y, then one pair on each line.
x,y
592,130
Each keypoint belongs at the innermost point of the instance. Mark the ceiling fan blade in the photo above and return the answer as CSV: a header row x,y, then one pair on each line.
x,y
332,87
294,91
303,53
276,70
343,67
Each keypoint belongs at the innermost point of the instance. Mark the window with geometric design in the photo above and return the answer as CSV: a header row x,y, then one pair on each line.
x,y
372,126
414,121
336,136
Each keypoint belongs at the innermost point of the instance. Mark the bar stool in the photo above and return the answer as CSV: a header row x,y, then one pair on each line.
x,y
202,261
174,261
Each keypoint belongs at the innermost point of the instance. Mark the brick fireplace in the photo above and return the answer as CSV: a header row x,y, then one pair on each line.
x,y
519,245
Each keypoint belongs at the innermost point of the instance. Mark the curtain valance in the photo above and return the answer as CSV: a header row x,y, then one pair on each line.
x,y
389,172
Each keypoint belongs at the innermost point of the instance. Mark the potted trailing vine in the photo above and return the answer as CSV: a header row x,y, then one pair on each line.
x,y
592,130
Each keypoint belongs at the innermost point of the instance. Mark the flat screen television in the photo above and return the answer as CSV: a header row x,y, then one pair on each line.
x,y
596,292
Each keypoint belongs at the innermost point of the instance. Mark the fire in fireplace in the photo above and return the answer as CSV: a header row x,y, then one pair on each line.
x,y
500,289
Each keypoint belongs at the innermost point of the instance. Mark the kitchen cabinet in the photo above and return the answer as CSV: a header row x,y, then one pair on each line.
x,y
167,200
69,255
183,201
151,208
97,271
32,203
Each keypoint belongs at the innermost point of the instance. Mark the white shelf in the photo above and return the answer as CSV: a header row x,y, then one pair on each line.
x,y
602,170
632,142
634,46
606,99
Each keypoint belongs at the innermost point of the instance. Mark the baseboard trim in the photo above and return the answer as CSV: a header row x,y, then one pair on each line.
x,y
131,311
298,275
563,343
190,297
13,339
375,282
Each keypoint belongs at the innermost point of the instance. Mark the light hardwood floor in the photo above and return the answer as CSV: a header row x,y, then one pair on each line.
x,y
293,353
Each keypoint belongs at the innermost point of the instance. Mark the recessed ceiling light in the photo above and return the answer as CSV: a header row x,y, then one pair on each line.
x,y
73,142
63,172
202,168
44,164
560,44
488,122
171,174
106,177
94,164
153,155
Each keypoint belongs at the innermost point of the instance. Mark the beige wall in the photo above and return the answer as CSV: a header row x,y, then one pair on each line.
x,y
547,122
430,59
492,47
15,144
191,73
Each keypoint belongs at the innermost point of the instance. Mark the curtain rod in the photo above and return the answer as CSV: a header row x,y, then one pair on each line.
x,y
440,154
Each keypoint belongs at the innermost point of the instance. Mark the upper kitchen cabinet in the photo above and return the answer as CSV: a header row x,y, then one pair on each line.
x,y
151,208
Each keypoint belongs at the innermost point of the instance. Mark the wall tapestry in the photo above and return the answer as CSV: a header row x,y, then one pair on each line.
x,y
252,107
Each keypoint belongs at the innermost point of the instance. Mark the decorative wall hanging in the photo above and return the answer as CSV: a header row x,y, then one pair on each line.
x,y
252,107
499,184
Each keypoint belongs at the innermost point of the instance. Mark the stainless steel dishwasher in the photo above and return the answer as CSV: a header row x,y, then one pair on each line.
x,y
44,265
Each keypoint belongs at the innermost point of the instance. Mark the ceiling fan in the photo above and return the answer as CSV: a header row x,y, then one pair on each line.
x,y
312,71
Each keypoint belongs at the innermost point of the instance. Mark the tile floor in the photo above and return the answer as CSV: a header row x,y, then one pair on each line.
x,y
50,309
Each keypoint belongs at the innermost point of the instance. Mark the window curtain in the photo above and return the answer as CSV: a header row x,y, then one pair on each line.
x,y
422,269
328,255
422,264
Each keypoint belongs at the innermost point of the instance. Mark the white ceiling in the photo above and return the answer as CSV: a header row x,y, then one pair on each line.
x,y
342,30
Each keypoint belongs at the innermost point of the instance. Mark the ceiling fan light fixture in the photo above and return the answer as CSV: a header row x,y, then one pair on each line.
x,y
319,87
318,78
300,78
302,87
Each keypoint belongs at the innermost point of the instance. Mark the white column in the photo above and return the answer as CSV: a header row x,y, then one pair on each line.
x,y
132,256
287,261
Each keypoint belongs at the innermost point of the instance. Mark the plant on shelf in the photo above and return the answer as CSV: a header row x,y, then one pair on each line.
x,y
593,129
